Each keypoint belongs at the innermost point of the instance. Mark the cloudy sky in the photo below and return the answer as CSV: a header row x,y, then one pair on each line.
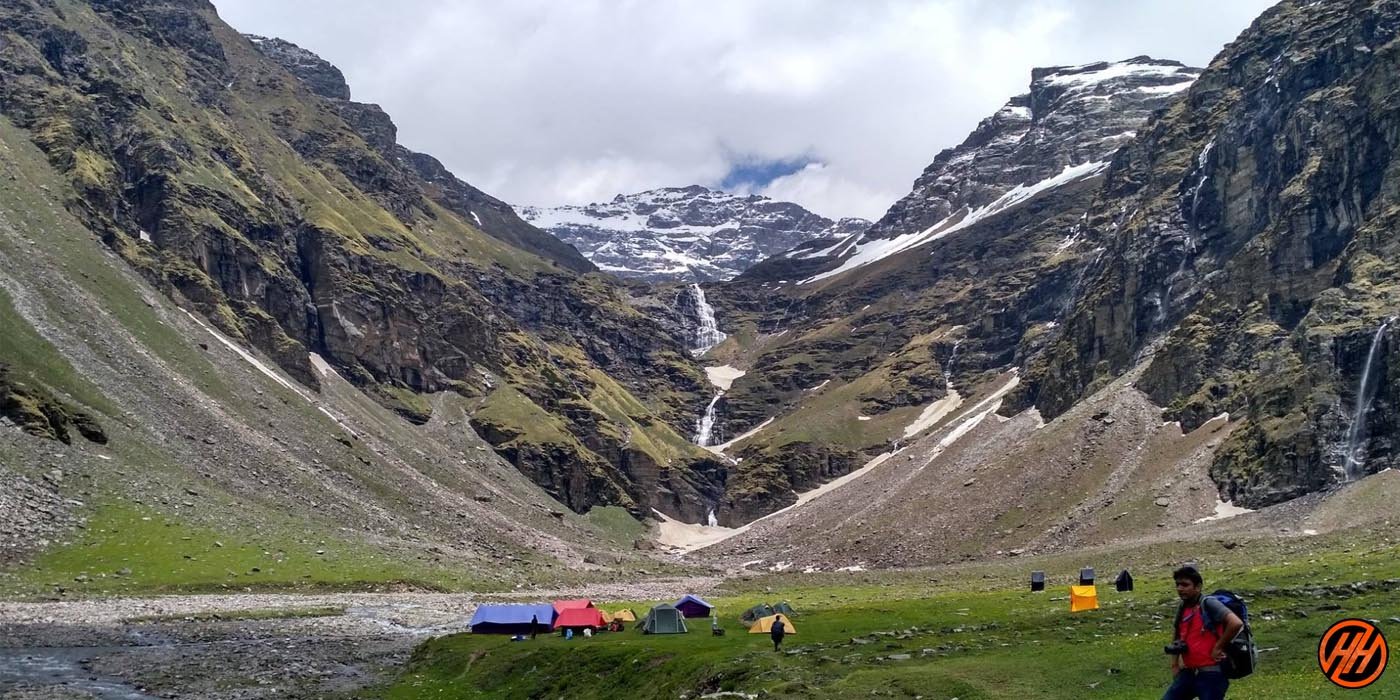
x,y
837,105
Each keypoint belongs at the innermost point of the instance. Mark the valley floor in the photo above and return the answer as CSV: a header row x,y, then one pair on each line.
x,y
969,631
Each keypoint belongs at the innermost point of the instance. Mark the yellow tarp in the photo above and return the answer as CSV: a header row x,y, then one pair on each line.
x,y
625,615
764,625
1083,598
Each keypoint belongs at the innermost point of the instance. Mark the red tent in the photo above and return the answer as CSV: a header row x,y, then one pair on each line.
x,y
562,605
576,618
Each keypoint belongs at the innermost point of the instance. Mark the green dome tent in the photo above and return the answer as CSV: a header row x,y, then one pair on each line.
x,y
664,619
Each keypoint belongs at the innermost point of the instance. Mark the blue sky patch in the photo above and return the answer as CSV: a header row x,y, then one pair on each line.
x,y
751,173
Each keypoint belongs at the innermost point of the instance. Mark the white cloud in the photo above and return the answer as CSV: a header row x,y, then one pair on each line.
x,y
543,102
826,192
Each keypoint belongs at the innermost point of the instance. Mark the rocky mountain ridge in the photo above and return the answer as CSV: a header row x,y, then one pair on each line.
x,y
685,234
1065,128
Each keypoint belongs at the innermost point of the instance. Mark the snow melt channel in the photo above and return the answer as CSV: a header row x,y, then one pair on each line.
x,y
320,363
248,357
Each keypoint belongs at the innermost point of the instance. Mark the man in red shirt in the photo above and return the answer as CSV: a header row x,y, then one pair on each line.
x,y
1204,626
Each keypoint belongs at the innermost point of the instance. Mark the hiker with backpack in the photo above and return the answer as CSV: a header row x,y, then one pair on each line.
x,y
1211,642
777,632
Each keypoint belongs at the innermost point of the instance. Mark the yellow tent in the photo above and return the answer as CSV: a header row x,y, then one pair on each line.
x,y
1083,598
607,616
625,615
764,625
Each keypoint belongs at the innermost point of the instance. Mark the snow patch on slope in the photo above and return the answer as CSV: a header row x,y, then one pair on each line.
x,y
867,252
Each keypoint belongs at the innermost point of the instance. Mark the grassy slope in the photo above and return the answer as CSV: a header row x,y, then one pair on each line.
x,y
236,170
119,536
967,636
132,495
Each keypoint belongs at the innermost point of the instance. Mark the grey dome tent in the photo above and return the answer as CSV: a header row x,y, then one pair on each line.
x,y
1124,582
1037,581
753,614
1086,576
784,608
664,619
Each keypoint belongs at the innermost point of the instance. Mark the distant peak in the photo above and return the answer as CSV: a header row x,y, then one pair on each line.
x,y
1102,70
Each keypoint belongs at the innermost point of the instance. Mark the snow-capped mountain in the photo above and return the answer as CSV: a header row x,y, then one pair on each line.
x,y
1064,129
686,233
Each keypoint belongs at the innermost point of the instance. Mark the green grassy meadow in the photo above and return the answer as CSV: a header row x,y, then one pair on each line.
x,y
910,635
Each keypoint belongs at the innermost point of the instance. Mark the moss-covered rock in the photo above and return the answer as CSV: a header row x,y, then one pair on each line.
x,y
37,412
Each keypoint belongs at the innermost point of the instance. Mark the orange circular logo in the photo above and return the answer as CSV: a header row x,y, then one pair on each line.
x,y
1352,653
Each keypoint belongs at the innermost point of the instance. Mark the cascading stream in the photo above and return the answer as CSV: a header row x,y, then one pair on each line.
x,y
707,332
705,427
707,335
1365,394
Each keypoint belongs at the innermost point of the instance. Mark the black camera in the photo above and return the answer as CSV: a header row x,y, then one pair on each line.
x,y
1176,648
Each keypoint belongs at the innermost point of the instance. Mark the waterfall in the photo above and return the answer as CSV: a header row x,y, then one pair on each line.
x,y
1365,394
711,520
705,427
707,333
952,362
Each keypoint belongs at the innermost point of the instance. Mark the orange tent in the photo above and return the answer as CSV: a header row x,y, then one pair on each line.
x,y
764,625
1083,598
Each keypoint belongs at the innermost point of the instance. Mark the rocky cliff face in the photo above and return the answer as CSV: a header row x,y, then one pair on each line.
x,y
318,74
690,234
962,280
1249,254
238,178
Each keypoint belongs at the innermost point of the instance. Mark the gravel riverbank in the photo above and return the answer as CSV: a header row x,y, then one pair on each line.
x,y
196,646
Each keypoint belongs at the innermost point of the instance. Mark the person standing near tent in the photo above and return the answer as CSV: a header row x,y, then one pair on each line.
x,y
534,625
1203,627
779,629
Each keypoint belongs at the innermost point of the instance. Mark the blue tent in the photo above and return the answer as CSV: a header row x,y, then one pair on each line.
x,y
511,619
692,606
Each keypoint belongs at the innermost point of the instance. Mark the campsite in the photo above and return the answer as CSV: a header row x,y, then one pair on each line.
x,y
972,631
